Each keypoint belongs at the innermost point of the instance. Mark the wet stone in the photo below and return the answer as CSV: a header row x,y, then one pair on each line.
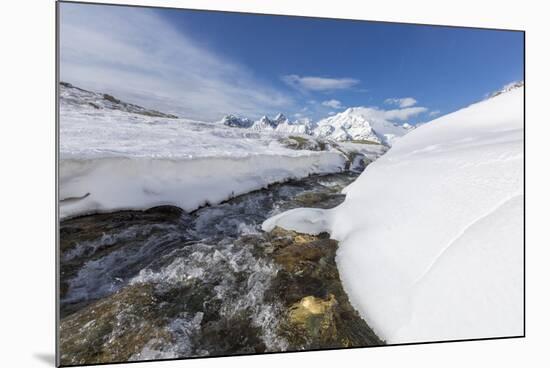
x,y
114,329
318,312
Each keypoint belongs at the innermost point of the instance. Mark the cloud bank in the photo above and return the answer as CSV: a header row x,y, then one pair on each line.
x,y
335,104
402,114
136,55
394,115
401,102
319,83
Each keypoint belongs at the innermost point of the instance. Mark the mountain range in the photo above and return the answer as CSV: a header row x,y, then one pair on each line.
x,y
354,124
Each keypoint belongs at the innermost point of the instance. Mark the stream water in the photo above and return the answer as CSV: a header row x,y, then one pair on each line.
x,y
162,283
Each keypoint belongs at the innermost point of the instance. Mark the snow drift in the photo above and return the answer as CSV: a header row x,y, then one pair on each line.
x,y
108,184
431,234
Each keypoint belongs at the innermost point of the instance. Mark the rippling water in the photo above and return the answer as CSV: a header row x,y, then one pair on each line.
x,y
209,270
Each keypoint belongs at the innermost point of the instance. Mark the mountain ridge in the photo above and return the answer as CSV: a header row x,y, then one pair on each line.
x,y
353,124
73,95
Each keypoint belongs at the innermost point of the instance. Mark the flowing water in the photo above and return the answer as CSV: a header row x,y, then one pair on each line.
x,y
162,283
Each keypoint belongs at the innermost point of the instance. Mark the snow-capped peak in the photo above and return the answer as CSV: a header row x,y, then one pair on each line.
x,y
279,119
360,124
267,123
364,124
235,121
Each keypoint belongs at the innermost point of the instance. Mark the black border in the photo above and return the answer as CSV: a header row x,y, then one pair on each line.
x,y
57,250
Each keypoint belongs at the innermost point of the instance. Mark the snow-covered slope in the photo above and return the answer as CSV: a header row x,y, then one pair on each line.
x,y
359,124
113,158
507,88
71,95
431,234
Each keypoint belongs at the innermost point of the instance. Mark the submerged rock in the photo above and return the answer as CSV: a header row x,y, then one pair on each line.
x,y
315,316
318,312
320,199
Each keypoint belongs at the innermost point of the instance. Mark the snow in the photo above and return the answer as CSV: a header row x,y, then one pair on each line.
x,y
138,183
303,127
431,234
507,88
279,124
305,220
78,97
360,123
113,159
371,151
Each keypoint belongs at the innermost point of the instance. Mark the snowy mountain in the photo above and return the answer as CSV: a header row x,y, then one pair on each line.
x,y
507,88
267,123
447,262
71,95
303,126
236,122
279,124
359,124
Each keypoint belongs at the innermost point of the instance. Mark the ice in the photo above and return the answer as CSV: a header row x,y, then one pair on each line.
x,y
431,234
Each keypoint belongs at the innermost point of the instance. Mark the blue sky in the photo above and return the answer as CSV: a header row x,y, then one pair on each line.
x,y
203,65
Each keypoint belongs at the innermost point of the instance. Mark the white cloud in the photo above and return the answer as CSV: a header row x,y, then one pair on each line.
x,y
402,114
318,111
434,113
319,83
401,102
335,104
137,56
394,115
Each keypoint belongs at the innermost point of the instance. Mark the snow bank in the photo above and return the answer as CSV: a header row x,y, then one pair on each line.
x,y
431,234
138,183
113,160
